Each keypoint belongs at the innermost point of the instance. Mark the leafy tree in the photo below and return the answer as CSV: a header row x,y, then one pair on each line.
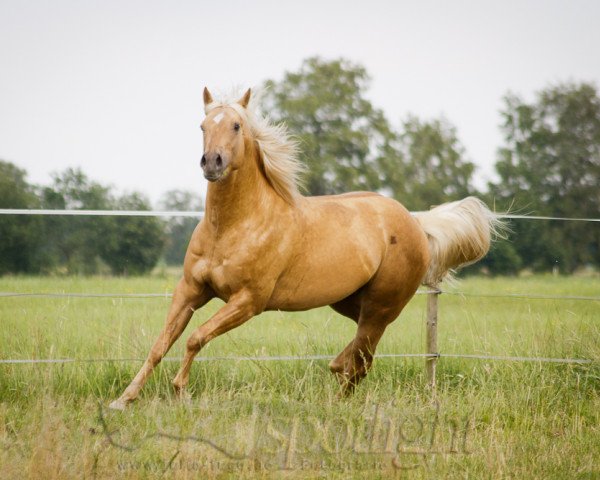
x,y
348,144
73,244
502,259
81,244
179,229
132,245
343,138
434,169
550,165
20,235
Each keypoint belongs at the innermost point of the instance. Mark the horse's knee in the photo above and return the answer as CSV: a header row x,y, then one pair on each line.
x,y
194,343
156,354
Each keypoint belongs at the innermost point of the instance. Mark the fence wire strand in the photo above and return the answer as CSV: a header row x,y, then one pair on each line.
x,y
200,214
530,296
288,358
84,295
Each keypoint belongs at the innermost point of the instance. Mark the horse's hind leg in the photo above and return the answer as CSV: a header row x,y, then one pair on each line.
x,y
349,307
358,355
372,319
337,364
381,301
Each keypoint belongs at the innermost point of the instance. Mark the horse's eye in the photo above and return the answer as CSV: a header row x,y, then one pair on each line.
x,y
236,126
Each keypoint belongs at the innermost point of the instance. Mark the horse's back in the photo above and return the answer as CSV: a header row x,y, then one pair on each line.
x,y
387,223
367,212
343,196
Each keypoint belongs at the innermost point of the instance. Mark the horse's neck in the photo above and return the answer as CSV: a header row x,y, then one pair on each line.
x,y
246,194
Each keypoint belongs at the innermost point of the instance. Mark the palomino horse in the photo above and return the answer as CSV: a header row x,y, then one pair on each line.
x,y
262,246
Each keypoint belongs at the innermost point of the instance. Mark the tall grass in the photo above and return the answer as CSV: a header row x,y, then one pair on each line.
x,y
248,419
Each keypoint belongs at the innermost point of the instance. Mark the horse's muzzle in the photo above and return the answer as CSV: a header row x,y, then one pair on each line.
x,y
213,166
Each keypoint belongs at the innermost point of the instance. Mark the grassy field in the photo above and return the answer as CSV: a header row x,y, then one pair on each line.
x,y
251,419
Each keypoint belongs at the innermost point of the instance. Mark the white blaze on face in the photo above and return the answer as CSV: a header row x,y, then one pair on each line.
x,y
218,118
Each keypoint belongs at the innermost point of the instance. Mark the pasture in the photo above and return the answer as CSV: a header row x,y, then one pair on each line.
x,y
268,419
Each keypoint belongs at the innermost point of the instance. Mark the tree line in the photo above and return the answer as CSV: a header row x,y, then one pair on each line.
x,y
82,244
548,165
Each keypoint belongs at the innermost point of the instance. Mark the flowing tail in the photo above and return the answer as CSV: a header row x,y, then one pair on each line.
x,y
459,234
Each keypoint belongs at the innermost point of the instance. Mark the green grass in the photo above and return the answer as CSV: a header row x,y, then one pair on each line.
x,y
490,419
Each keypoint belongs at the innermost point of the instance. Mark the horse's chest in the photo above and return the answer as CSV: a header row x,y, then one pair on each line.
x,y
222,280
251,262
222,275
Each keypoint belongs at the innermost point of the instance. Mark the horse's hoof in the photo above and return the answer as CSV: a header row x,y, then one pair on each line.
x,y
118,405
346,389
343,394
184,396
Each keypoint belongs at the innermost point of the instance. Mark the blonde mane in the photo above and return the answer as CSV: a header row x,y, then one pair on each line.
x,y
278,150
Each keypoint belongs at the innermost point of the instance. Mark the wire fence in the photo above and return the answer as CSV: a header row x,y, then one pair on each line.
x,y
200,214
262,358
430,357
529,296
102,213
291,358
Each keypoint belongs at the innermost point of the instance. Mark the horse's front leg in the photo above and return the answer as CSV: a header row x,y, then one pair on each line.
x,y
240,308
186,298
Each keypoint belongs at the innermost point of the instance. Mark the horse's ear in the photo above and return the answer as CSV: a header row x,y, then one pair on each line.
x,y
207,97
245,100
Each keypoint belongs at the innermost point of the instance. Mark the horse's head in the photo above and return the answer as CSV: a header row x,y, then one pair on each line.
x,y
224,130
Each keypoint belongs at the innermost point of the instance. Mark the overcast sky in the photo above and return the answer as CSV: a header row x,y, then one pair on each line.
x,y
115,87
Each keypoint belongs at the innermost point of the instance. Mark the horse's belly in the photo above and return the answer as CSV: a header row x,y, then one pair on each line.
x,y
311,295
323,278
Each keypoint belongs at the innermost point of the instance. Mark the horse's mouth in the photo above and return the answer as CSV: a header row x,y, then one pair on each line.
x,y
218,176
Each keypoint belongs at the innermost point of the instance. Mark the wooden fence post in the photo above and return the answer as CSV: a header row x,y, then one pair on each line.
x,y
431,336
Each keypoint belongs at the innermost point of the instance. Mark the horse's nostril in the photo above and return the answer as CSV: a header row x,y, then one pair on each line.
x,y
203,161
219,161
